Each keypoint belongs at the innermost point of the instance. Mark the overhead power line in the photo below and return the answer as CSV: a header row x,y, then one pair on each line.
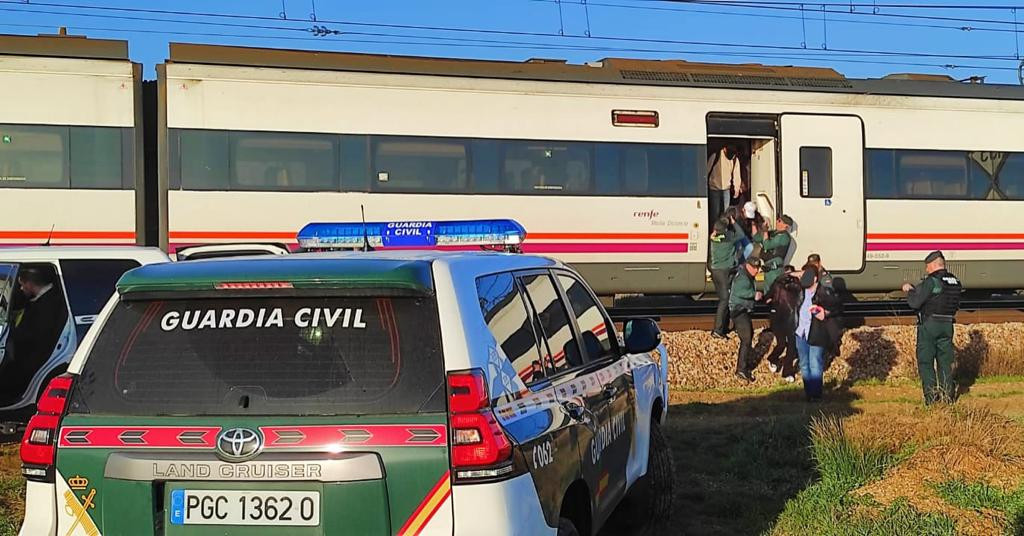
x,y
837,9
521,46
754,46
835,14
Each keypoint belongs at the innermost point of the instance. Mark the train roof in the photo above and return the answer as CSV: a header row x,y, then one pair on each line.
x,y
63,46
679,73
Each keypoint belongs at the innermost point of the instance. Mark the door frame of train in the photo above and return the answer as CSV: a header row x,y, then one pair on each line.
x,y
782,183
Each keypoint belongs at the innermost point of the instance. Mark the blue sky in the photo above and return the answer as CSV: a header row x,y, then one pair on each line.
x,y
866,43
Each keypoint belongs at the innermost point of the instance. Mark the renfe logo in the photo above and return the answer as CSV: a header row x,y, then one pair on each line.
x,y
646,214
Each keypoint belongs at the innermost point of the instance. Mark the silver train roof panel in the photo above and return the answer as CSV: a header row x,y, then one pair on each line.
x,y
678,73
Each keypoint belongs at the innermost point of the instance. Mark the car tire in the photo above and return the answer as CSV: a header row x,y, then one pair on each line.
x,y
566,527
647,508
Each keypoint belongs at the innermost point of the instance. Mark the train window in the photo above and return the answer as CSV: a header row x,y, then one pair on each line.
x,y
816,172
486,166
540,167
512,325
881,174
355,167
420,164
33,156
1011,177
95,157
661,170
932,174
203,159
562,352
282,161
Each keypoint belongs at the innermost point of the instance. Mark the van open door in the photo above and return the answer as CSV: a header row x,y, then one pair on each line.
x,y
823,188
8,282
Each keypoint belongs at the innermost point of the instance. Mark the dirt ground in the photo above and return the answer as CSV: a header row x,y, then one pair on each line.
x,y
740,455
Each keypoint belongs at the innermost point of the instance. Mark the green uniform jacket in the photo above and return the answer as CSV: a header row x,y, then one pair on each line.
x,y
723,248
742,292
920,294
775,240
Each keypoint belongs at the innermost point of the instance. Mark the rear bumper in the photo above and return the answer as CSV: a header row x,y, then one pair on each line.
x,y
509,508
40,510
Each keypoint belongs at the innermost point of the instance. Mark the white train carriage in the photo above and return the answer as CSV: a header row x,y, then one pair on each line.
x,y
70,131
604,163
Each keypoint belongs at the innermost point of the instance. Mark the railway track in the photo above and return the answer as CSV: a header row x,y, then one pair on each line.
x,y
700,314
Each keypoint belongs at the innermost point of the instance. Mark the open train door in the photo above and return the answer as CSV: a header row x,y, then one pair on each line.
x,y
823,187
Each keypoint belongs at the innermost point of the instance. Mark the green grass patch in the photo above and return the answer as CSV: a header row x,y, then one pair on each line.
x,y
996,395
999,379
844,463
827,507
979,495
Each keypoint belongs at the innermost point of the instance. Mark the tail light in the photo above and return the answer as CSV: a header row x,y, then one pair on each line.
x,y
480,448
39,445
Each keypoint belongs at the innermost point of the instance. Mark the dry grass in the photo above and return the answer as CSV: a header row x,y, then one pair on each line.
x,y
875,463
12,490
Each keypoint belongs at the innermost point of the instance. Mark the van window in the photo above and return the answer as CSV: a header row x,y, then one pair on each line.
x,y
594,328
511,323
562,351
89,283
266,356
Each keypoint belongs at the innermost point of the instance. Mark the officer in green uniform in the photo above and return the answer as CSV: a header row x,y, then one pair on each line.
x,y
774,246
936,300
723,264
742,296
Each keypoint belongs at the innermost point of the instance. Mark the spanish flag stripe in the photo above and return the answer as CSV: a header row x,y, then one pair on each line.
x,y
426,510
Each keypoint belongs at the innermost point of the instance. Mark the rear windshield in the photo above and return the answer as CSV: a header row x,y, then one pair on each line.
x,y
273,356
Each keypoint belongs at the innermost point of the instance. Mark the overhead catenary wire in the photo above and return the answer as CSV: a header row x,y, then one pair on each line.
x,y
754,46
739,50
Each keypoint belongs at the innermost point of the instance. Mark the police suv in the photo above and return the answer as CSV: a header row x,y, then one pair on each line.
x,y
390,392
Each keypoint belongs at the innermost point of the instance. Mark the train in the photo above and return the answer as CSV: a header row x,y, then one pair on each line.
x,y
604,163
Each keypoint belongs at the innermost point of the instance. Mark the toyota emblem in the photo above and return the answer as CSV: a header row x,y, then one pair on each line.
x,y
239,444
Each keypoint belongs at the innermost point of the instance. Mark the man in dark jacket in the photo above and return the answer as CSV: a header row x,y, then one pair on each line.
x,y
936,300
742,297
723,263
37,331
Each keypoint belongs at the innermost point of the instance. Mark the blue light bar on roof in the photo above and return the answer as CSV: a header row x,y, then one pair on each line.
x,y
412,234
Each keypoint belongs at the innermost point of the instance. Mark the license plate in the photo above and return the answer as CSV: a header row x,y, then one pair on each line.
x,y
273,508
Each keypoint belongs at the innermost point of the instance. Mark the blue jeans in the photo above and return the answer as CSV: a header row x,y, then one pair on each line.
x,y
718,201
811,366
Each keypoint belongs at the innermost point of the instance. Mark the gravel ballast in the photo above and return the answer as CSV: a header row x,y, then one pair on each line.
x,y
698,361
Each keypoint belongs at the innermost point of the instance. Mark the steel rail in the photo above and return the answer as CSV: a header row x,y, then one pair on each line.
x,y
872,308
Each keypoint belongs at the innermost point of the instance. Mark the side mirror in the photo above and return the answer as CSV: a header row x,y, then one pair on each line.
x,y
642,336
